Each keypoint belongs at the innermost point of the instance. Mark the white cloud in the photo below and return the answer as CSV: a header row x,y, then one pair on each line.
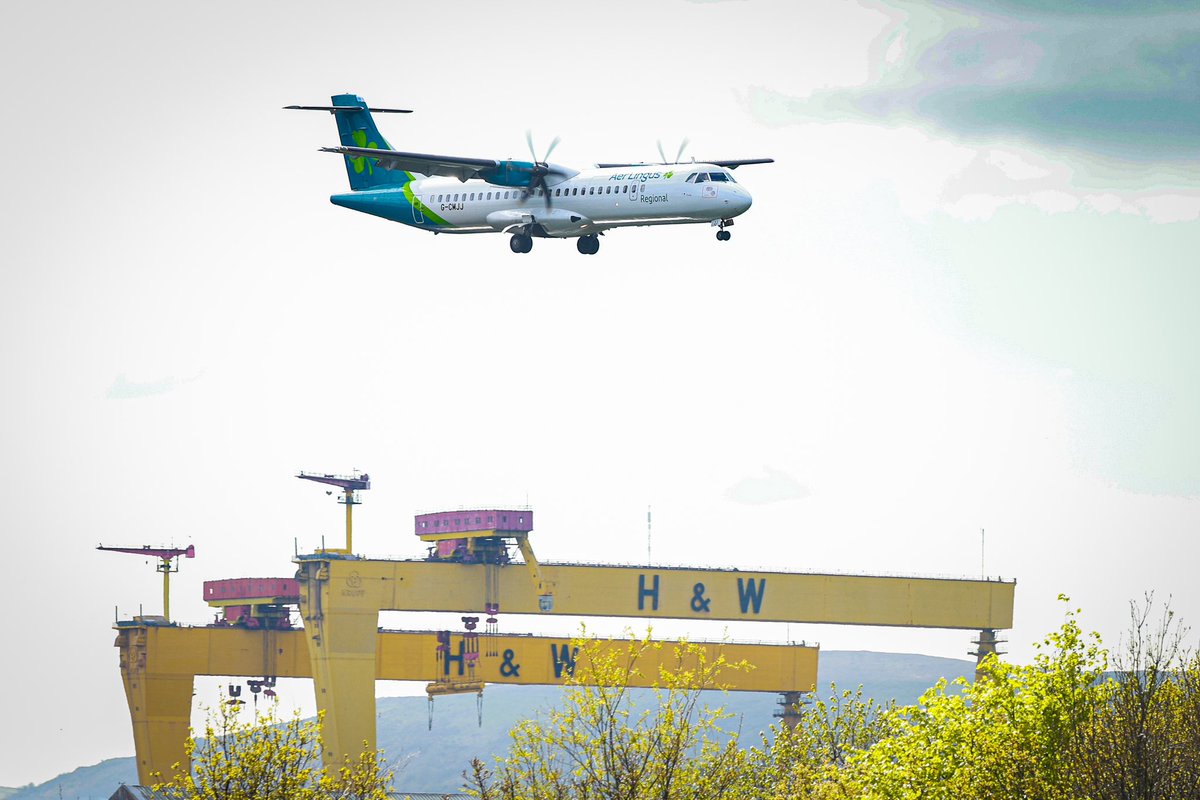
x,y
125,389
1017,166
1054,201
774,486
1107,203
976,207
1167,208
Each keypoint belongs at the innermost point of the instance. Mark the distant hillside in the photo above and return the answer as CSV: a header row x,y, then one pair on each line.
x,y
96,782
434,759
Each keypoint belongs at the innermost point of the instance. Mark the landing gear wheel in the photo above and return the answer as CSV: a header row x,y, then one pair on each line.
x,y
520,243
588,245
722,236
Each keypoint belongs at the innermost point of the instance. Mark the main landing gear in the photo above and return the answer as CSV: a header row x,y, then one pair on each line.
x,y
521,243
588,245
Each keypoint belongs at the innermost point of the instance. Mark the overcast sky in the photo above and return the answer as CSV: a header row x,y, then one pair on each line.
x,y
965,298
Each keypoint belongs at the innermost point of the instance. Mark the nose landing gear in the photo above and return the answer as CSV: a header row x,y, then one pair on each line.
x,y
588,245
722,234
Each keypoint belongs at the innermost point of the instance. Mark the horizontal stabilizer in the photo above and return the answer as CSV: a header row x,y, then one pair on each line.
x,y
335,109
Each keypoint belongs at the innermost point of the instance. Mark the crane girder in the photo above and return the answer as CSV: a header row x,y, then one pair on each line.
x,y
159,662
664,592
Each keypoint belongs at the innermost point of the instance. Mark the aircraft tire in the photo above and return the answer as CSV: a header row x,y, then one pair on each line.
x,y
588,245
520,243
722,236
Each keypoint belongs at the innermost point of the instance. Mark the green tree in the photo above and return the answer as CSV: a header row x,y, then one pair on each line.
x,y
264,758
1145,742
1009,734
603,743
808,760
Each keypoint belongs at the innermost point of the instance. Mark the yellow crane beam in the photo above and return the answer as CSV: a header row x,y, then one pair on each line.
x,y
340,601
158,664
658,592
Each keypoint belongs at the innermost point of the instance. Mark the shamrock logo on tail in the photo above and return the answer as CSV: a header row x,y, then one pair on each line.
x,y
361,163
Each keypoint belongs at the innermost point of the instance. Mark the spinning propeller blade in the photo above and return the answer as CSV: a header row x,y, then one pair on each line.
x,y
540,168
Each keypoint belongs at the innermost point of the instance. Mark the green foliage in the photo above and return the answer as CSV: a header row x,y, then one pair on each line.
x,y
1145,742
1061,727
269,759
808,760
1009,734
602,744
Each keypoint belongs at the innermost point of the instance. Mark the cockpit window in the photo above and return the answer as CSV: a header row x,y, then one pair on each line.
x,y
702,177
691,178
718,176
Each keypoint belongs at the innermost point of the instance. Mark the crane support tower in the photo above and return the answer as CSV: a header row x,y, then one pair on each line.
x,y
349,484
168,562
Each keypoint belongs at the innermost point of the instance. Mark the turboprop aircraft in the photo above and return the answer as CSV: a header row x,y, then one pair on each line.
x,y
526,199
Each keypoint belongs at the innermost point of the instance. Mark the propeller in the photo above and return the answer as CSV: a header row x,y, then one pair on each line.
x,y
542,168
679,154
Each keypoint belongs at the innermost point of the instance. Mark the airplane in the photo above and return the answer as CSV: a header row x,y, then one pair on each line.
x,y
526,199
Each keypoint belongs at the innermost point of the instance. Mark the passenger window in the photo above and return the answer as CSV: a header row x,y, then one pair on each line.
x,y
558,192
625,189
592,190
609,190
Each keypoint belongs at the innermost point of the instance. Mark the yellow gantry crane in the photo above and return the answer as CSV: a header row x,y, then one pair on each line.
x,y
468,569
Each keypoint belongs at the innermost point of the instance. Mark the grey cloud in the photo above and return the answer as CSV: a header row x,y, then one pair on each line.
x,y
1127,89
774,486
1089,8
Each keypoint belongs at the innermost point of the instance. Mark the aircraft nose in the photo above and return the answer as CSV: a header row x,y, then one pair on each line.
x,y
739,200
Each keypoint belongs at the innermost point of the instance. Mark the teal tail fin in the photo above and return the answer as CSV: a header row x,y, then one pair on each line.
x,y
356,127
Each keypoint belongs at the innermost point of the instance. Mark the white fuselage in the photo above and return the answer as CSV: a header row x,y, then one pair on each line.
x,y
586,203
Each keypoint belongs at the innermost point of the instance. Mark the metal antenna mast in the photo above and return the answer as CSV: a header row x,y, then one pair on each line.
x,y
648,562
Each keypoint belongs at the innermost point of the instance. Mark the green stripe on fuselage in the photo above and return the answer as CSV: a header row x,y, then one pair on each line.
x,y
416,203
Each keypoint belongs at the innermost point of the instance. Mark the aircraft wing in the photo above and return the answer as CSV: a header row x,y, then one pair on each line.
x,y
732,163
426,164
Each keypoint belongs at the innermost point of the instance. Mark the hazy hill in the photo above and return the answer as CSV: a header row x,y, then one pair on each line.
x,y
433,759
